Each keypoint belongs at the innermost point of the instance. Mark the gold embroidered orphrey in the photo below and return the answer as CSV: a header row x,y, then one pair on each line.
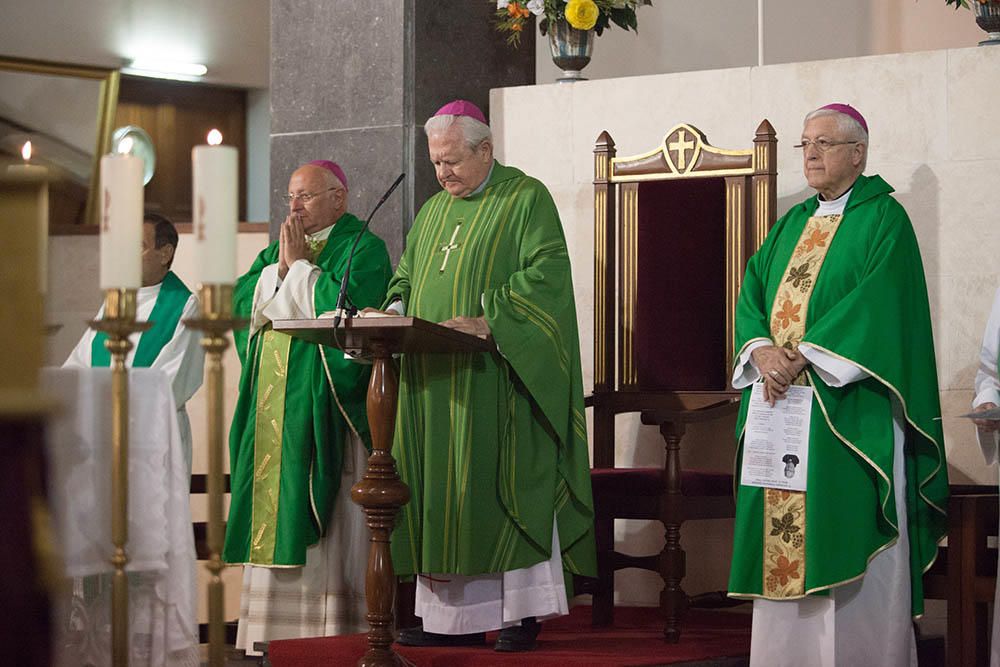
x,y
451,245
785,511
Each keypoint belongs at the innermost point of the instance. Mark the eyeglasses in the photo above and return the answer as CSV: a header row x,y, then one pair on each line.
x,y
305,197
822,145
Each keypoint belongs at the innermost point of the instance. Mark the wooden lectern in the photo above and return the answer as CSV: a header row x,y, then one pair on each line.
x,y
380,492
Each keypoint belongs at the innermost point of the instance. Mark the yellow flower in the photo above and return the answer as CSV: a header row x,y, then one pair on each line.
x,y
582,14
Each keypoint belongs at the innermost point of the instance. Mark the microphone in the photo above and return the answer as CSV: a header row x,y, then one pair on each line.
x,y
342,296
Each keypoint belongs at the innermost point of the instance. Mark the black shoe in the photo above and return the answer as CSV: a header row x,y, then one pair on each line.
x,y
519,637
417,637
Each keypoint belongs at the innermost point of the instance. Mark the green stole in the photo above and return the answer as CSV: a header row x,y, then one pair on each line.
x,y
170,302
268,429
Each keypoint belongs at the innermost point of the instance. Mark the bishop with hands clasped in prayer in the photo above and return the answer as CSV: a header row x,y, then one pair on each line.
x,y
299,436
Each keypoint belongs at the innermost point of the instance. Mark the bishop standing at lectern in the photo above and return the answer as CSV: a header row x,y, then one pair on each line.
x,y
835,299
493,446
299,436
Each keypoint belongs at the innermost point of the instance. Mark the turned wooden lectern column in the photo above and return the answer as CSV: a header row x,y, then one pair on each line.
x,y
380,492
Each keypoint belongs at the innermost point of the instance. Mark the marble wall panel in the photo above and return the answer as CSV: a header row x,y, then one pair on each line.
x,y
972,102
540,135
966,464
960,305
371,158
336,68
638,112
970,234
883,88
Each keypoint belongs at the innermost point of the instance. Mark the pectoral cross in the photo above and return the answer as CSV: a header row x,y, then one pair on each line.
x,y
681,146
451,245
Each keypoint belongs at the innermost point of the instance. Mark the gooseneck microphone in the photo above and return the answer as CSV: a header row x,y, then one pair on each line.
x,y
342,295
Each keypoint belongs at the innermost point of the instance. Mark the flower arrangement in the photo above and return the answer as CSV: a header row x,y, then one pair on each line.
x,y
596,15
965,3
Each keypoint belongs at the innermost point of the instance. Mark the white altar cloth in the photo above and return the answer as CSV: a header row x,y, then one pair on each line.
x,y
162,604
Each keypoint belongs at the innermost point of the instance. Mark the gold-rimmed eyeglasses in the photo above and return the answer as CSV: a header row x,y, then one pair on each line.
x,y
305,197
822,145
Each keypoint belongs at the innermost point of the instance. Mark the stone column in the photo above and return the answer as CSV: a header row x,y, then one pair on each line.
x,y
356,86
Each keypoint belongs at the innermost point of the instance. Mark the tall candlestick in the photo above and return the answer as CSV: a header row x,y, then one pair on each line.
x,y
40,173
214,169
121,221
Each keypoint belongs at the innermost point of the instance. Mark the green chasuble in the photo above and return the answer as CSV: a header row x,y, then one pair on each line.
x,y
492,445
286,443
166,313
869,307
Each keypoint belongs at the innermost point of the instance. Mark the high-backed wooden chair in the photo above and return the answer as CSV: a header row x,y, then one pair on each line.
x,y
965,573
674,228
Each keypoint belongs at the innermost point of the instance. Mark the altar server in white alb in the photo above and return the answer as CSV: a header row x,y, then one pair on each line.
x,y
168,345
988,398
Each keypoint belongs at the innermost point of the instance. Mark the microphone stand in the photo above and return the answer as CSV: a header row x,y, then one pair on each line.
x,y
342,295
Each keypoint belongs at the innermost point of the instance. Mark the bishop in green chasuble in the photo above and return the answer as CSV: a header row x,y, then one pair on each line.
x,y
298,401
492,445
866,305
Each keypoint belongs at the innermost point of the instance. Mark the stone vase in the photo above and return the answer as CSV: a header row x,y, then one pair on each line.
x,y
988,18
571,49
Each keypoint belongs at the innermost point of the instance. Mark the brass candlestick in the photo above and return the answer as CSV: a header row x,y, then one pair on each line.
x,y
119,323
215,319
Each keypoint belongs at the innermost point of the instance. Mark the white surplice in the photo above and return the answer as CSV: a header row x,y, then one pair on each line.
x,y
455,604
182,358
988,391
863,623
326,596
162,605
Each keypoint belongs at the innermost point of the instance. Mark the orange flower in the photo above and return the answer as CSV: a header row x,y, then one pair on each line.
x,y
816,240
789,313
785,570
516,10
517,27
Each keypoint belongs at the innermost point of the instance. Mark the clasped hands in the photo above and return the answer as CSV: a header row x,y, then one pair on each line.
x,y
292,244
778,366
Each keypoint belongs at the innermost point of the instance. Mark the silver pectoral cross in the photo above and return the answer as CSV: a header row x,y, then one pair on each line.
x,y
451,245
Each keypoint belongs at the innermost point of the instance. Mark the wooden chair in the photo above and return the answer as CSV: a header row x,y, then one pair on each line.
x,y
674,228
965,574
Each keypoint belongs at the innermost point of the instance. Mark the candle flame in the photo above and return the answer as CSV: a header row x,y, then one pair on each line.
x,y
26,151
125,145
214,137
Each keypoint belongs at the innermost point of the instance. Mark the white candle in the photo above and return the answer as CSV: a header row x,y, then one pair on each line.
x,y
37,172
214,169
121,221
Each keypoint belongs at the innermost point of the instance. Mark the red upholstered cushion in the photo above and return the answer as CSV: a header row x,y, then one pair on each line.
x,y
649,482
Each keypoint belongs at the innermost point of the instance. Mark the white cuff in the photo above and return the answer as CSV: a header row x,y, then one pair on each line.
x,y
834,371
745,373
987,395
267,285
396,307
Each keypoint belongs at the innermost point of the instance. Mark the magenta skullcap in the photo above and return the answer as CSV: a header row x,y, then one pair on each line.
x,y
847,110
462,108
331,167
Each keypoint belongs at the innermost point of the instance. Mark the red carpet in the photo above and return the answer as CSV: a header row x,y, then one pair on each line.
x,y
635,639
